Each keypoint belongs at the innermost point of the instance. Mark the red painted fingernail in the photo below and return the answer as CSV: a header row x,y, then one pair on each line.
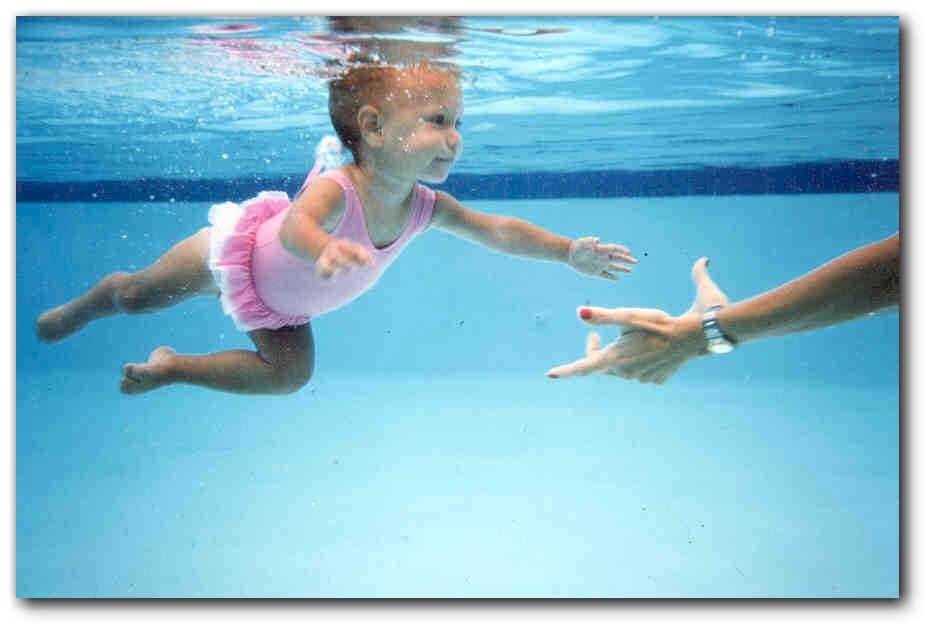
x,y
553,376
586,314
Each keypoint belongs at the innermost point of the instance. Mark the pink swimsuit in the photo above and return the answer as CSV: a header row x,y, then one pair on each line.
x,y
263,286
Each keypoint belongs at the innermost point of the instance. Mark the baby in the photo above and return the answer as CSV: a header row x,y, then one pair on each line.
x,y
276,264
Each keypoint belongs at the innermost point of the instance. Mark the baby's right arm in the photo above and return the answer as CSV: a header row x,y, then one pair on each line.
x,y
304,233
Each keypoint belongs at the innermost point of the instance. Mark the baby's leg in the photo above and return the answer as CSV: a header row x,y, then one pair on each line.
x,y
282,364
179,274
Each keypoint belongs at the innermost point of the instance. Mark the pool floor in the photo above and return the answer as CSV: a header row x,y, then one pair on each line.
x,y
470,486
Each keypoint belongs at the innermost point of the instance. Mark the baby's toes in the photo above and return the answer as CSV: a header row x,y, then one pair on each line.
x,y
129,378
129,383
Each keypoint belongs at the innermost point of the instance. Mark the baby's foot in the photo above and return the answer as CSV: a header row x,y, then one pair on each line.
x,y
139,378
58,323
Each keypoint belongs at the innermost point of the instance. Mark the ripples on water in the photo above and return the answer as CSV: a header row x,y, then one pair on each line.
x,y
124,98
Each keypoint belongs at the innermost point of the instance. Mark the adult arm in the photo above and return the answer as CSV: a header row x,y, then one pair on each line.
x,y
654,344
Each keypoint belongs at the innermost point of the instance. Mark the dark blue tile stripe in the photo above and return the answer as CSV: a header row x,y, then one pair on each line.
x,y
808,178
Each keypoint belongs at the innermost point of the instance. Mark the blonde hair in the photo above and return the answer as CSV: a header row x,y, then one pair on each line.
x,y
362,85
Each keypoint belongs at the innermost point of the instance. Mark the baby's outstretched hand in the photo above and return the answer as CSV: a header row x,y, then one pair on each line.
x,y
342,255
589,256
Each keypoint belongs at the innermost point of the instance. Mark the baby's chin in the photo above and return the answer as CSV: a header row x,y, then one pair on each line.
x,y
437,174
434,179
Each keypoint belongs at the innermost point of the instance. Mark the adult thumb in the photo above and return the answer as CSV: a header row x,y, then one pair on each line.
x,y
708,293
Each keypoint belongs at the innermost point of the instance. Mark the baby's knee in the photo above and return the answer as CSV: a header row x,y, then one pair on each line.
x,y
130,294
292,378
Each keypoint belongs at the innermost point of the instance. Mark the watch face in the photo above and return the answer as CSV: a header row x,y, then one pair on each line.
x,y
720,347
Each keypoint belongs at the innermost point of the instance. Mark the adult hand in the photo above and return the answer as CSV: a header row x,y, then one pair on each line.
x,y
653,345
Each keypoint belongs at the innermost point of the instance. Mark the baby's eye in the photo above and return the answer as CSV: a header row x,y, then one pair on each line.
x,y
439,120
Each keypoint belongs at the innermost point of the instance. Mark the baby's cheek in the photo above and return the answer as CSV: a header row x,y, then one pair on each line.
x,y
402,143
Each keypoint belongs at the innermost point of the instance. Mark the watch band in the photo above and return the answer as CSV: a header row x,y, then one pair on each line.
x,y
716,341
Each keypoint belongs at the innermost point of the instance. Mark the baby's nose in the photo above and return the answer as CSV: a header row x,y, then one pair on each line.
x,y
454,140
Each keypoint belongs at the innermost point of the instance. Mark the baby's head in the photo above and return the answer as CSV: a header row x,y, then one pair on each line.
x,y
386,90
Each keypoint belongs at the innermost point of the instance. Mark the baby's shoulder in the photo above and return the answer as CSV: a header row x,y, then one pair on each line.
x,y
344,174
322,198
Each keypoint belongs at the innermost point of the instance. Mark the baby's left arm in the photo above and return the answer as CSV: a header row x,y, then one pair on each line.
x,y
514,236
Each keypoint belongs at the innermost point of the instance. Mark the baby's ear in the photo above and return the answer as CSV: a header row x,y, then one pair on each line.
x,y
369,123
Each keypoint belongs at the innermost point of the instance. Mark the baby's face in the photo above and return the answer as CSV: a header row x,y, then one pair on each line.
x,y
422,116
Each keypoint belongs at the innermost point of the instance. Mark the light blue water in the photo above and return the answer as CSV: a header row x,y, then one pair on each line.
x,y
432,458
429,456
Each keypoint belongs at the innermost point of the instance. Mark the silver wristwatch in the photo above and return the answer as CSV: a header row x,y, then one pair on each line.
x,y
716,341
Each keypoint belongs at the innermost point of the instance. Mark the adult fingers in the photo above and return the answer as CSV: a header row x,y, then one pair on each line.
x,y
588,365
633,365
662,377
708,293
597,316
633,368
629,318
615,372
651,375
640,369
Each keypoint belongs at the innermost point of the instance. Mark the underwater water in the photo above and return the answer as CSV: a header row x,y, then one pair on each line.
x,y
429,456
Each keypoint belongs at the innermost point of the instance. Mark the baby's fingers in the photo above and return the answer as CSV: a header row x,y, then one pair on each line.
x,y
607,273
324,268
617,252
360,256
331,266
